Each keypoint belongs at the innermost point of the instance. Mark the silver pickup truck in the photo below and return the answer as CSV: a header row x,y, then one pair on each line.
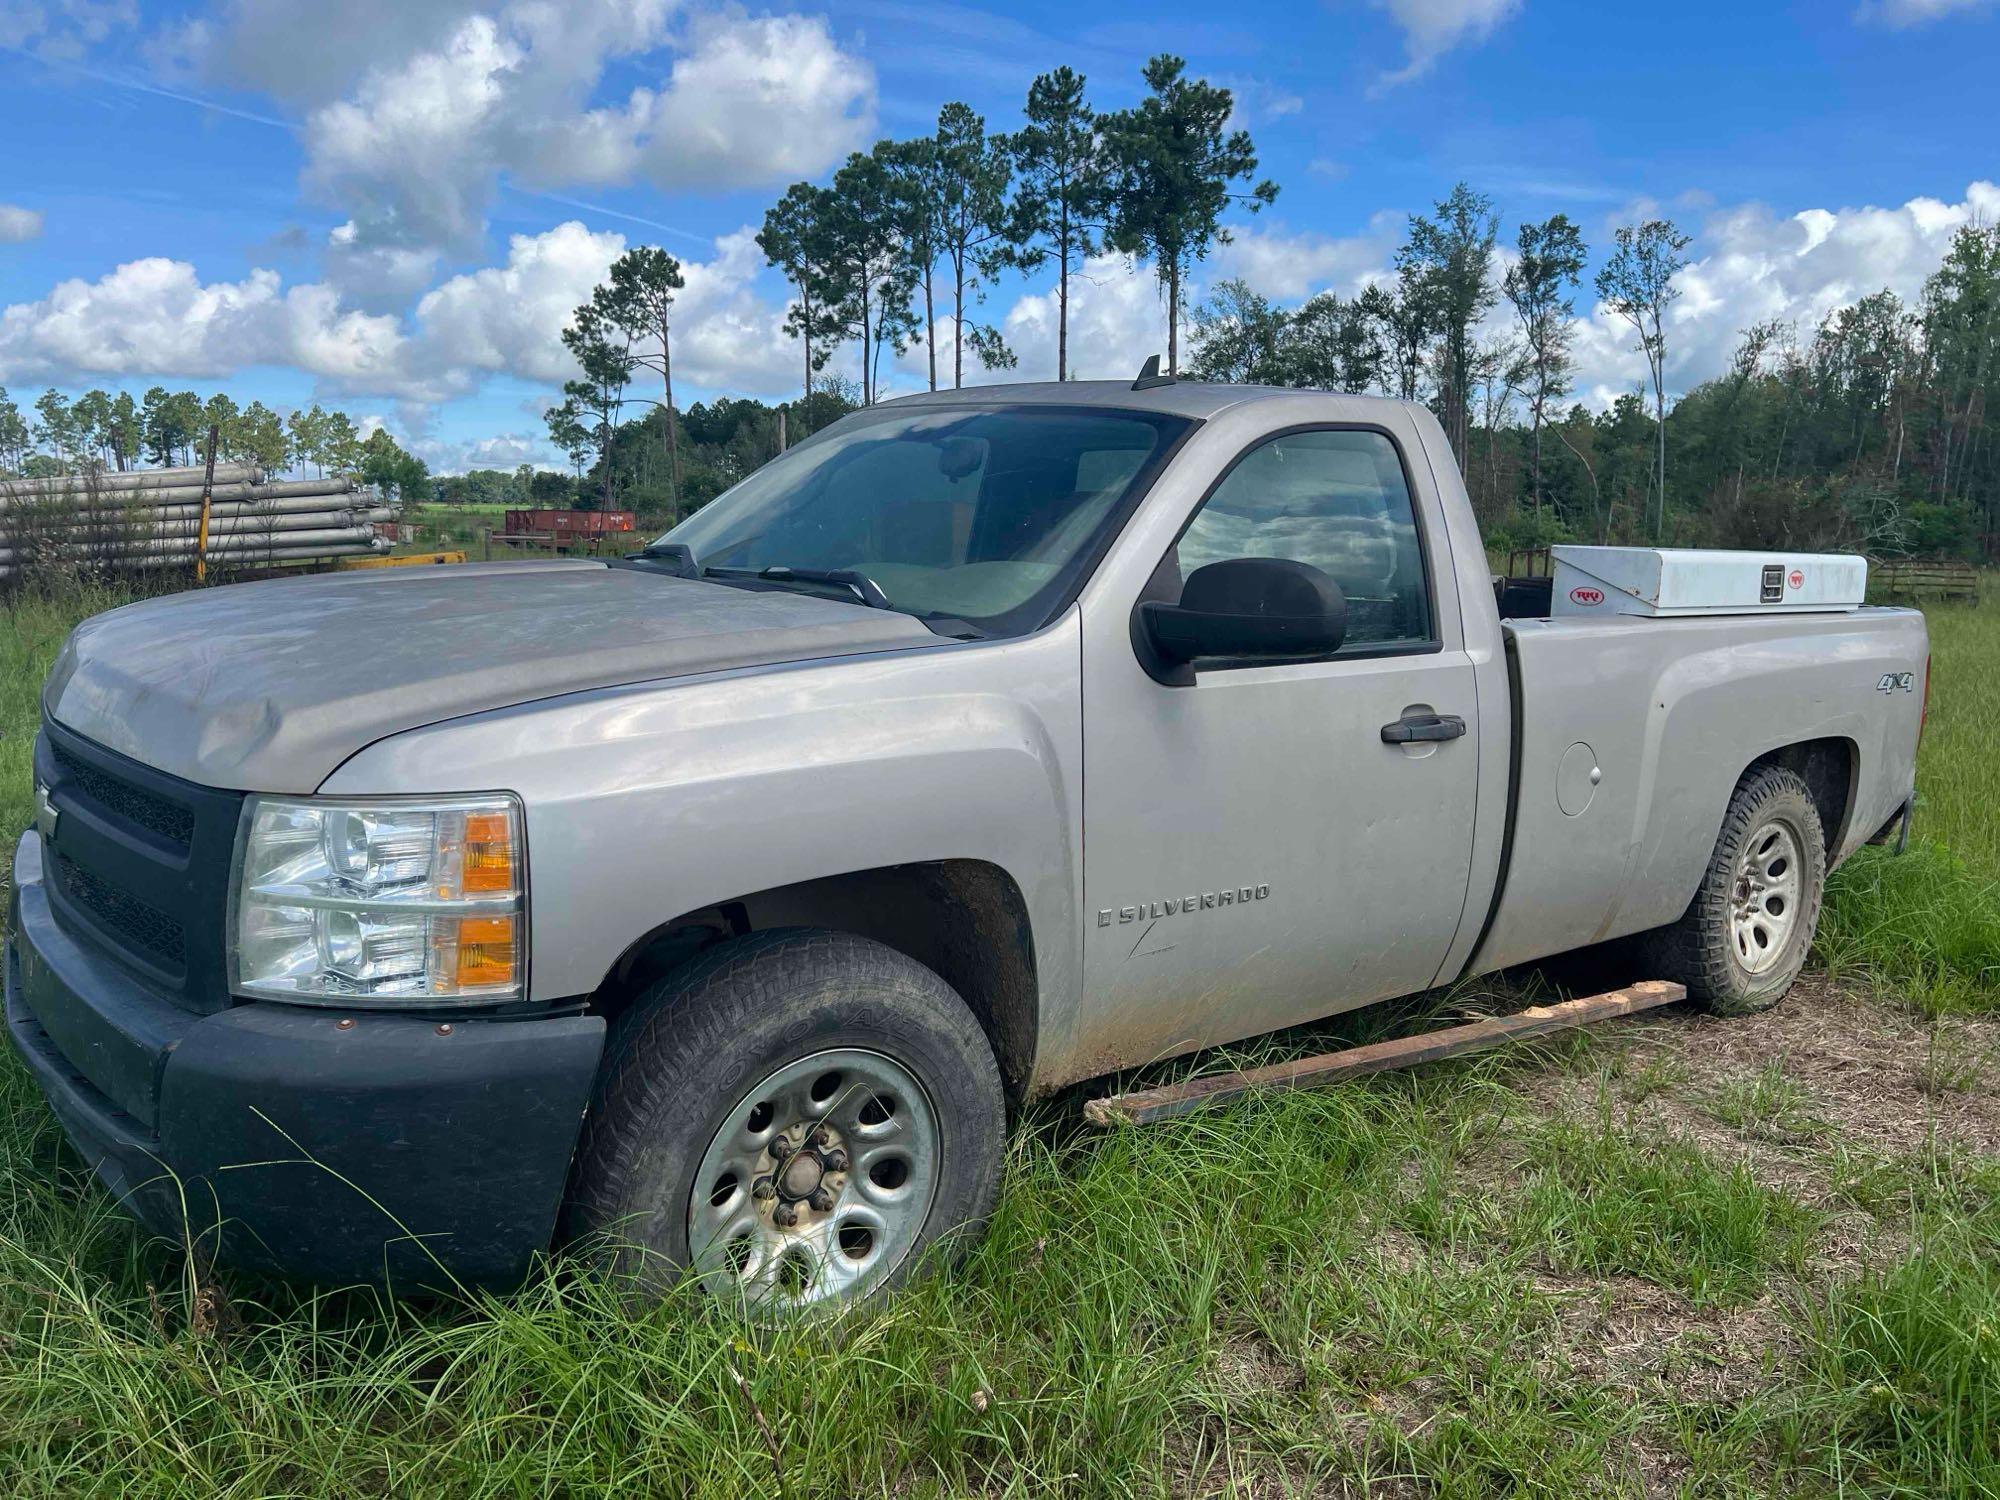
x,y
721,904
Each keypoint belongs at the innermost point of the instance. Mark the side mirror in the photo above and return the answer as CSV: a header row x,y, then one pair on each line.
x,y
1245,609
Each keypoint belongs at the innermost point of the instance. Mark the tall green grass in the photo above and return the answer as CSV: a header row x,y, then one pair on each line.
x,y
1928,922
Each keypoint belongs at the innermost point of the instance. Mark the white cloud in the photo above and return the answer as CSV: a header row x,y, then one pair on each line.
x,y
1751,265
156,317
506,450
1257,101
1432,28
378,278
415,148
508,319
1286,266
259,44
1916,12
1117,317
750,100
63,30
18,224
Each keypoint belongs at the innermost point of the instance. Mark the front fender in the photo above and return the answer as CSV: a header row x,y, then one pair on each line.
x,y
651,800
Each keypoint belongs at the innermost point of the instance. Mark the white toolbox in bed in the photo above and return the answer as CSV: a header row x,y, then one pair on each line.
x,y
1664,581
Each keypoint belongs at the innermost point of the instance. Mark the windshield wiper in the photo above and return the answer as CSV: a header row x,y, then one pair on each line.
x,y
866,589
678,557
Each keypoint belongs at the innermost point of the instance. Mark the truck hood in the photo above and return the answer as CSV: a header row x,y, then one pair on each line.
x,y
270,686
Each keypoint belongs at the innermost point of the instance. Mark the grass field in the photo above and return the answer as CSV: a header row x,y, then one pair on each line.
x,y
1680,1257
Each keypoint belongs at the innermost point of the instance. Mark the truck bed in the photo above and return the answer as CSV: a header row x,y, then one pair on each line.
x,y
1669,713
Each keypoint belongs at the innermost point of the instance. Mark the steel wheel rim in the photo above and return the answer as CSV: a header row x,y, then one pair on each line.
x,y
1764,897
790,1131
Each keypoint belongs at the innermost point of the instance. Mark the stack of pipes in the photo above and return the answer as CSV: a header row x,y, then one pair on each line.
x,y
152,518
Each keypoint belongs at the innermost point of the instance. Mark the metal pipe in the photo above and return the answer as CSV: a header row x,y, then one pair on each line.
x,y
184,546
15,493
145,479
171,515
185,530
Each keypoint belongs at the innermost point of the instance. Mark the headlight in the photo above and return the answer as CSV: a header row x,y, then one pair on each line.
x,y
380,902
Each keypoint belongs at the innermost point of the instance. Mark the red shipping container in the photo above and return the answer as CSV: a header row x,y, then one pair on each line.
x,y
567,523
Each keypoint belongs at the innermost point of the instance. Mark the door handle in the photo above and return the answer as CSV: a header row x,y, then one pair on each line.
x,y
1414,729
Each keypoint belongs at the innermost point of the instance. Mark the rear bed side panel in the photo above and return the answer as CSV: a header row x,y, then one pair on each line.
x,y
1670,713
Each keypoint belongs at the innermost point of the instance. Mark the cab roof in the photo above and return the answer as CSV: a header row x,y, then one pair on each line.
x,y
1186,398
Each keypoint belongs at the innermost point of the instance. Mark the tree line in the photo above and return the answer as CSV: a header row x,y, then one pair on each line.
x,y
1867,431
908,237
165,428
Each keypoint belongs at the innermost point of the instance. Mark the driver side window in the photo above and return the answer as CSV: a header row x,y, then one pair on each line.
x,y
1339,501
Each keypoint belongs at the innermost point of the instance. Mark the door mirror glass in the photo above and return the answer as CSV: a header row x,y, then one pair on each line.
x,y
1248,609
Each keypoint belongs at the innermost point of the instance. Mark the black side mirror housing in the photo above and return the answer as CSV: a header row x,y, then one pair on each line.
x,y
1247,609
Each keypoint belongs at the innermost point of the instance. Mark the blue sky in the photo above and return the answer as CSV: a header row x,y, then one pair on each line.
x,y
391,204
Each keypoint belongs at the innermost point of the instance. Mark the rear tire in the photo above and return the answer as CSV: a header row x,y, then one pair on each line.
x,y
1745,936
801,1117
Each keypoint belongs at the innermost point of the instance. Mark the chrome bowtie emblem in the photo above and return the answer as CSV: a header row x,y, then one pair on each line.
x,y
45,814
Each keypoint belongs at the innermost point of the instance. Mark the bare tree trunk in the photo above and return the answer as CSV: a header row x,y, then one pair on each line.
x,y
930,328
1596,500
958,321
806,339
867,331
673,417
1174,316
1062,295
1538,463
1660,416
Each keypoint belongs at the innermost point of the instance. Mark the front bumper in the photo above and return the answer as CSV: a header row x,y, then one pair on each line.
x,y
417,1153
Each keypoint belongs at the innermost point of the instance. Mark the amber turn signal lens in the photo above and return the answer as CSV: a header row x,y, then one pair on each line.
x,y
486,951
489,853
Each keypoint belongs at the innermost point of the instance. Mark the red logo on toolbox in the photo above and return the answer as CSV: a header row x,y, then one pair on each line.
x,y
1586,595
1797,578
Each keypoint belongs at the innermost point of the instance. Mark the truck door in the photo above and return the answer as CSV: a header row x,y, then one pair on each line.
x,y
1258,852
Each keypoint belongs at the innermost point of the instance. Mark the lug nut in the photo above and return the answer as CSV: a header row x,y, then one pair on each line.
x,y
816,1139
785,1215
836,1160
763,1190
821,1200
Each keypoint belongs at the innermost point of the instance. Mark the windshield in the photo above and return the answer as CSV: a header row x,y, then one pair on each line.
x,y
988,516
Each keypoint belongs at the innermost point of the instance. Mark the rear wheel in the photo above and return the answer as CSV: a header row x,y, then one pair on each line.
x,y
1746,934
797,1118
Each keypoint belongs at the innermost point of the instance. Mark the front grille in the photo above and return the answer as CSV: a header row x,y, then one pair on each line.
x,y
138,866
154,813
124,914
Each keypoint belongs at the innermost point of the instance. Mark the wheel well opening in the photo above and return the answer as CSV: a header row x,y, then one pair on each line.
x,y
964,919
1827,768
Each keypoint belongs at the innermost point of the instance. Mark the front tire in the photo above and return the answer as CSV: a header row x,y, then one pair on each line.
x,y
1746,934
798,1117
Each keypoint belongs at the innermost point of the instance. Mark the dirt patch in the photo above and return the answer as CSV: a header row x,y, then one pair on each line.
x,y
1833,1067
1879,1076
1627,1334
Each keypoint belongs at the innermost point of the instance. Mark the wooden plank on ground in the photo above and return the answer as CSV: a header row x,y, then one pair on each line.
x,y
1380,1057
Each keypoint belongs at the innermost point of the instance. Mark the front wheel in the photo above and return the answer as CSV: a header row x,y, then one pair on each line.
x,y
1745,936
796,1118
